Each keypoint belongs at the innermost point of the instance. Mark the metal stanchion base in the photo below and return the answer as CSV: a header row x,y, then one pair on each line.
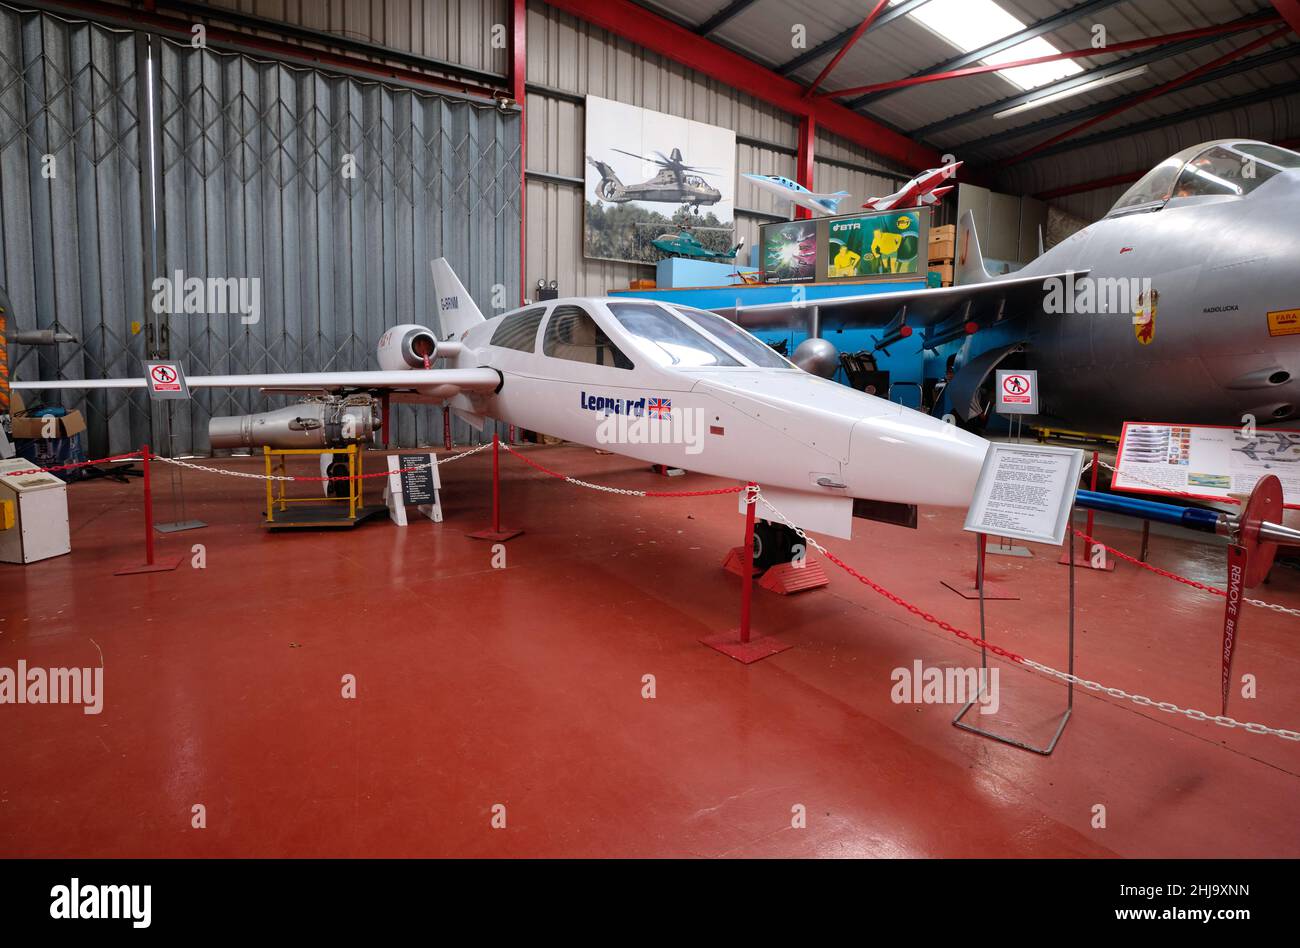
x,y
1085,562
1022,551
178,526
1051,746
499,536
755,650
969,589
164,564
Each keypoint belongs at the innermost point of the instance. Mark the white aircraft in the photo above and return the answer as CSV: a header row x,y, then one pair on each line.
x,y
921,191
796,193
666,384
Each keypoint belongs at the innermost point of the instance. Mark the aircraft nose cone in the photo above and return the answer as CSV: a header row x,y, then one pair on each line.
x,y
913,458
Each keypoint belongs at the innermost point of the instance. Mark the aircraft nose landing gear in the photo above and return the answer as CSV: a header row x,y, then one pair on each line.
x,y
780,560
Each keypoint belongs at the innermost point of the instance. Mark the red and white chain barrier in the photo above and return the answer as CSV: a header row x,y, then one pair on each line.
x,y
755,496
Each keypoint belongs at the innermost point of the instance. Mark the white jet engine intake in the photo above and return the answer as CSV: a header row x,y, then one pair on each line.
x,y
330,422
409,346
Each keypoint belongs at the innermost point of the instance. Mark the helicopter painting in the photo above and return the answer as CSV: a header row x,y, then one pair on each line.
x,y
675,183
650,177
686,244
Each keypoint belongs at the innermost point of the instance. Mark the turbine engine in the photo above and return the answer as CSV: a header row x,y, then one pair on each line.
x,y
410,346
331,421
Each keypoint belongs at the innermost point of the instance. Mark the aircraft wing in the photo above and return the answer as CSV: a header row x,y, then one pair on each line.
x,y
987,302
454,381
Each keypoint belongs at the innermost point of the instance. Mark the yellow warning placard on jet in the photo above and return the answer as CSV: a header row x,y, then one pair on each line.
x,y
1284,322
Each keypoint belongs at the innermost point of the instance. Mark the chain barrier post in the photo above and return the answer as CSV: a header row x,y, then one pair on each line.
x,y
495,532
149,566
739,643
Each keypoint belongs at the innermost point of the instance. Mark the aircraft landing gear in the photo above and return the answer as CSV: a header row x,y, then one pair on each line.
x,y
775,543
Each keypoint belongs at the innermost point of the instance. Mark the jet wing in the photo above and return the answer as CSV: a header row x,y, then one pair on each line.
x,y
447,381
987,302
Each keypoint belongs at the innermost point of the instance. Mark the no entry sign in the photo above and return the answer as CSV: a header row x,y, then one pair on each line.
x,y
1017,392
166,380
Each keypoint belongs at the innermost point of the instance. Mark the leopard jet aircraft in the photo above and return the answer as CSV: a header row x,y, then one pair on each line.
x,y
665,384
1181,304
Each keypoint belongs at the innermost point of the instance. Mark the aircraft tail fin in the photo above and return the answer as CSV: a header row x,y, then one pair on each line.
x,y
830,201
970,262
456,310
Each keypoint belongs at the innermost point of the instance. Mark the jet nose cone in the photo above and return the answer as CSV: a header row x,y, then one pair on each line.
x,y
912,458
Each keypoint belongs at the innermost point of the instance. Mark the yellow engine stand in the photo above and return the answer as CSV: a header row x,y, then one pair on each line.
x,y
283,511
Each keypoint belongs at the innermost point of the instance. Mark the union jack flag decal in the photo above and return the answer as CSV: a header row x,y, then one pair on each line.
x,y
661,408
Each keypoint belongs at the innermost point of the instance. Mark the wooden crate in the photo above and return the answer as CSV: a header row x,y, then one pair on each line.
x,y
944,270
941,250
946,232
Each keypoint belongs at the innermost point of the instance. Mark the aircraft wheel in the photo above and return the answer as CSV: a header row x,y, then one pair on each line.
x,y
338,467
774,543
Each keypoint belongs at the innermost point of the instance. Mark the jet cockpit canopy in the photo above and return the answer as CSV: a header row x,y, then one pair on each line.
x,y
1228,167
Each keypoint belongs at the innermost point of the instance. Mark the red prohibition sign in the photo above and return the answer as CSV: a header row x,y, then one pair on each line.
x,y
163,374
1015,384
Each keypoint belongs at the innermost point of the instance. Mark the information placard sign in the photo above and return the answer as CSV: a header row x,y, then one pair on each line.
x,y
413,481
1206,462
1026,492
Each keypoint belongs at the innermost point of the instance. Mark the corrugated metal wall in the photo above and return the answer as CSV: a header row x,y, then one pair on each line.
x,y
72,247
250,186
253,157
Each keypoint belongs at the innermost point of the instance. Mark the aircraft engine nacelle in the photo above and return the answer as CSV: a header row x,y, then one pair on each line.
x,y
329,423
408,347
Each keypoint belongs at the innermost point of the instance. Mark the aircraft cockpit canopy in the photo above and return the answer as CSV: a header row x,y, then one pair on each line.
x,y
1224,168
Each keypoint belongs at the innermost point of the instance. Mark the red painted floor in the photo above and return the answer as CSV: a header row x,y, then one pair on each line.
x,y
523,687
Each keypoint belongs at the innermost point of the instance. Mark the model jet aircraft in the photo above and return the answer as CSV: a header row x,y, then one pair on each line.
x,y
666,384
673,184
921,191
686,244
1182,304
796,193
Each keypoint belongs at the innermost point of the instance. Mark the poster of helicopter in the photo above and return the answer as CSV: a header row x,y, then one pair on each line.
x,y
656,183
1208,462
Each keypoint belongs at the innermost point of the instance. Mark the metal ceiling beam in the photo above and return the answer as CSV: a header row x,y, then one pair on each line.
x,y
1185,115
1038,28
1110,69
679,44
1142,43
848,45
722,16
839,39
1151,93
1290,10
1114,180
1231,69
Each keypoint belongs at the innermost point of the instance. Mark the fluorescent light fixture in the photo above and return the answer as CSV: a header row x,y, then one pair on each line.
x,y
1067,93
970,24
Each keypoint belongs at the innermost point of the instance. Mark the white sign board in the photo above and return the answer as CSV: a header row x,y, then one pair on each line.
x,y
1017,392
1207,462
413,479
166,380
1026,492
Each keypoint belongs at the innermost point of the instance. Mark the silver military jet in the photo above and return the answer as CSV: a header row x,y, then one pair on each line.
x,y
1182,304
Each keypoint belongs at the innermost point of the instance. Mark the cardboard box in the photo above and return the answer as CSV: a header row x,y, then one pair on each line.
x,y
26,426
641,285
946,232
942,250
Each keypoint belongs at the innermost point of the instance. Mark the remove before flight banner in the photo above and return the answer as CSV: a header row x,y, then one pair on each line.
x,y
1207,462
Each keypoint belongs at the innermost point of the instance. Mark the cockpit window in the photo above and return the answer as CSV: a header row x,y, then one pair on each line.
x,y
736,338
1232,168
520,330
572,334
1221,171
666,339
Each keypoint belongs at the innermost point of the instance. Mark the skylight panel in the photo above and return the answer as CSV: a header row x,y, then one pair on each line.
x,y
970,24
